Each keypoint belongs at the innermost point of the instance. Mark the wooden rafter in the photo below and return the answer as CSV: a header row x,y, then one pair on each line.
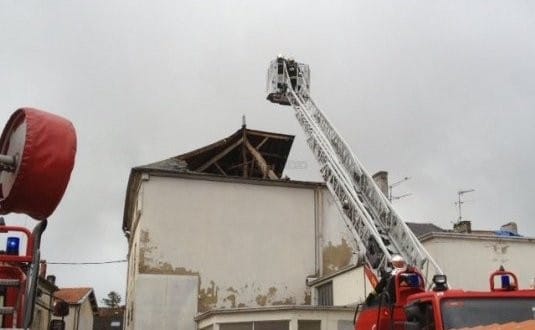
x,y
219,155
262,164
273,136
262,143
244,154
220,169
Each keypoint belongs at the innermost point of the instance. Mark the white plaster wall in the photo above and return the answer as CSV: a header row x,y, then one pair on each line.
x,y
165,302
469,262
350,287
133,263
335,235
86,316
243,240
330,320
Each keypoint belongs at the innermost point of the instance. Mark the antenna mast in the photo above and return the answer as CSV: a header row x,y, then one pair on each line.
x,y
460,202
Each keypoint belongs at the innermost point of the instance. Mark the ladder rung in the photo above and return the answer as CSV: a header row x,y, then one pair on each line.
x,y
6,310
9,282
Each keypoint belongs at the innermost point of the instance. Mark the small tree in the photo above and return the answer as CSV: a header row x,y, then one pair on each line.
x,y
113,300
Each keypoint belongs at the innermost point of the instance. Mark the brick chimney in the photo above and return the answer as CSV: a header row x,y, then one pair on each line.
x,y
381,179
464,226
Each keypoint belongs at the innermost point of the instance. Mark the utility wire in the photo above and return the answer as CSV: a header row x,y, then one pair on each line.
x,y
88,263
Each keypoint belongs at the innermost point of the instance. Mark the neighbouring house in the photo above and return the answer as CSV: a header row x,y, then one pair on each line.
x,y
44,301
109,318
466,256
82,307
218,239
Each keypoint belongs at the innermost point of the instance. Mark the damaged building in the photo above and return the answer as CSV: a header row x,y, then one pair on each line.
x,y
218,239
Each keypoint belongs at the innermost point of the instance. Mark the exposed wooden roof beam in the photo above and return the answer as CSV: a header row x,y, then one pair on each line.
x,y
268,154
219,155
245,173
220,169
262,143
262,164
268,135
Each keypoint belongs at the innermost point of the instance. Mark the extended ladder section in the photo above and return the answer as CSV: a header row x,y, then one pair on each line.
x,y
378,229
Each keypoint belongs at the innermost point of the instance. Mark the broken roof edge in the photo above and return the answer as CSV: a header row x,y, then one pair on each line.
x,y
136,173
179,162
238,133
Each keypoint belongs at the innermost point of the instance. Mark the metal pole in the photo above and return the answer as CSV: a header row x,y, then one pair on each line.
x,y
33,273
460,202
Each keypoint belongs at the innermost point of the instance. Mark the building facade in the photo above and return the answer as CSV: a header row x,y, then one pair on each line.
x,y
204,242
82,307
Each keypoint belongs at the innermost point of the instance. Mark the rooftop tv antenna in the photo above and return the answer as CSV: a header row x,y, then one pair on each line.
x,y
397,183
460,202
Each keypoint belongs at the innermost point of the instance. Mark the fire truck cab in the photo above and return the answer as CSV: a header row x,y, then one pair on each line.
x,y
503,307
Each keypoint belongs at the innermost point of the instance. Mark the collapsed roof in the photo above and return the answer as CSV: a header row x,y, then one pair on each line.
x,y
246,153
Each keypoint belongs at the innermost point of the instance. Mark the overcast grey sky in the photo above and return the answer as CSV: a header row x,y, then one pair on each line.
x,y
441,91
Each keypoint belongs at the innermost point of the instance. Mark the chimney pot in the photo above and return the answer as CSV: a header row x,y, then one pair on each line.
x,y
464,226
381,179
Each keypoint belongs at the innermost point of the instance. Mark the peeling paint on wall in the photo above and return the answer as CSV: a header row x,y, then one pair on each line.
x,y
286,301
336,257
268,299
148,263
262,299
231,297
208,297
499,252
211,296
308,297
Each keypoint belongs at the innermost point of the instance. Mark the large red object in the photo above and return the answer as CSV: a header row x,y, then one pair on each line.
x,y
502,307
44,145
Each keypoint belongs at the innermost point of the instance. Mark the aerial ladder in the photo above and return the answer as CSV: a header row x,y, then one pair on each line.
x,y
381,234
377,228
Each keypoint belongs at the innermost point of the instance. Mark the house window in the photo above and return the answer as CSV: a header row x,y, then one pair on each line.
x,y
236,326
271,325
257,325
308,325
325,294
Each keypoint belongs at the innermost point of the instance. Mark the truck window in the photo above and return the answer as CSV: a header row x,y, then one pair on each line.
x,y
423,315
479,312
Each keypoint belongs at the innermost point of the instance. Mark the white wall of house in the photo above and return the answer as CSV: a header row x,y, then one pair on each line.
x,y
328,318
338,246
86,316
80,317
231,244
469,260
350,287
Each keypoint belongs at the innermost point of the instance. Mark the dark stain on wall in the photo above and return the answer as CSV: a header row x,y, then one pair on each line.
x,y
232,297
308,297
285,301
264,299
336,257
208,297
